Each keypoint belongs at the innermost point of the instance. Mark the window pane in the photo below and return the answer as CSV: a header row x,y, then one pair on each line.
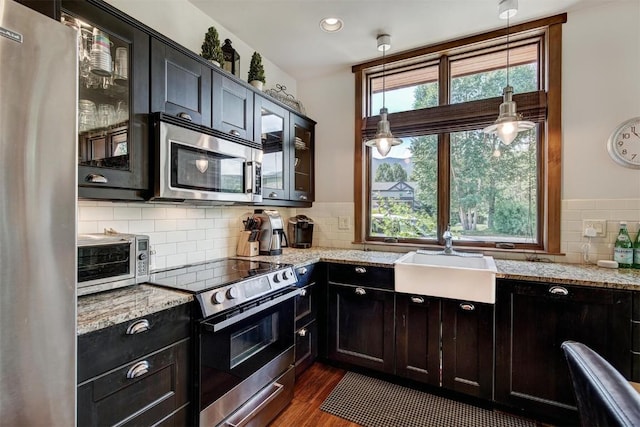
x,y
404,190
494,188
405,90
484,76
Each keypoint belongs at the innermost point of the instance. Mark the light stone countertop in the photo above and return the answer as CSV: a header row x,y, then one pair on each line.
x,y
109,308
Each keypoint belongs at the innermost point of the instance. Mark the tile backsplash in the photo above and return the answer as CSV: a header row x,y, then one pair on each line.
x,y
182,234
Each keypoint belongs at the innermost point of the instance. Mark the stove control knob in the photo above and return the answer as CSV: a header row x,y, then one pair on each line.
x,y
217,298
232,293
276,278
285,275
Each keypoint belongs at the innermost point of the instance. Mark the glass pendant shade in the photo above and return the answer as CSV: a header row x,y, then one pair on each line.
x,y
383,140
509,122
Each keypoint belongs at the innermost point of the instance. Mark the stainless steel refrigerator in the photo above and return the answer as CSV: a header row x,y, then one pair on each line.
x,y
38,98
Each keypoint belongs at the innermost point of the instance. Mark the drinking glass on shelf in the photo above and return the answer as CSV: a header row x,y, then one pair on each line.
x,y
122,112
87,114
106,115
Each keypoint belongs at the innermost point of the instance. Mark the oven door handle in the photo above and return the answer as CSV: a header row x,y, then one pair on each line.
x,y
218,326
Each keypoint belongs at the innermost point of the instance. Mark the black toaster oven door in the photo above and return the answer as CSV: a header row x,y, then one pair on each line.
x,y
97,262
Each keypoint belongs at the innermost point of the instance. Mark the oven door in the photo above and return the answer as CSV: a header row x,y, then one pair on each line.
x,y
243,352
201,167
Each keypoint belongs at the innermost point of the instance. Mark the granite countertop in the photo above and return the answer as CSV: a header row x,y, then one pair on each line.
x,y
109,308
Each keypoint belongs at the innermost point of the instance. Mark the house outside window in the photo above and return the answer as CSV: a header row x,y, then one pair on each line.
x,y
447,171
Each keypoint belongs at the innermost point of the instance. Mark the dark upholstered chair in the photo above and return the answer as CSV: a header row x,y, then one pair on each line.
x,y
604,396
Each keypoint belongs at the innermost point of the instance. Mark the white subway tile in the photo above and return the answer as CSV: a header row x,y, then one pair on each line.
x,y
186,224
204,245
196,235
144,226
193,257
166,225
176,236
203,224
127,213
186,247
165,249
578,204
119,226
195,213
176,213
176,260
157,237
95,213
213,213
154,213
87,227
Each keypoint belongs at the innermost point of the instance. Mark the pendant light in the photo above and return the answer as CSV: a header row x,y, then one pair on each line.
x,y
509,122
383,140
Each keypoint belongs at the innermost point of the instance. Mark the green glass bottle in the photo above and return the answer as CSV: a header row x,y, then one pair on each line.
x,y
636,250
623,248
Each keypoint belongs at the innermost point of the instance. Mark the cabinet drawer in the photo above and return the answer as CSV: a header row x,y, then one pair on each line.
x,y
111,347
142,392
307,274
364,275
306,346
306,305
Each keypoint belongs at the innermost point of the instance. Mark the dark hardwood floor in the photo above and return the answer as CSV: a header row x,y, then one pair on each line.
x,y
312,388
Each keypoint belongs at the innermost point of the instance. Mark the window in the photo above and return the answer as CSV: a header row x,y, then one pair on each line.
x,y
447,172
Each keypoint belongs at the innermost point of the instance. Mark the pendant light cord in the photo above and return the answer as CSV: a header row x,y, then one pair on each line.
x,y
507,49
384,49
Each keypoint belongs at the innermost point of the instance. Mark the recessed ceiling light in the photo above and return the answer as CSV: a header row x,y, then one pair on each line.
x,y
331,25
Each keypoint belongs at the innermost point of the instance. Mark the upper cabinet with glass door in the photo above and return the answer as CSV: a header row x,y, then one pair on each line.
x,y
271,127
113,101
302,131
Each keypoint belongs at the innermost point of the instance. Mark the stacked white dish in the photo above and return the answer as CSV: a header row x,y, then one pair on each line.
x,y
101,54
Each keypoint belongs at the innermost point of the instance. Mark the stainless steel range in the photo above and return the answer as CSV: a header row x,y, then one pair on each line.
x,y
244,338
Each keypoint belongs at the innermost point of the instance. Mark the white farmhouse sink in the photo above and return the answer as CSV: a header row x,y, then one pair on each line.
x,y
447,276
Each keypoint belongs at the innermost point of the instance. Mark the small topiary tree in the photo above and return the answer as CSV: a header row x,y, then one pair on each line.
x,y
256,70
211,48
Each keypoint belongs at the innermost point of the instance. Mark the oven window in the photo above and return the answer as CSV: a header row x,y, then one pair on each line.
x,y
98,262
250,341
197,169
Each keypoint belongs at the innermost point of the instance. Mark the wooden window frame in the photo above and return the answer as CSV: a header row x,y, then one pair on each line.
x,y
544,106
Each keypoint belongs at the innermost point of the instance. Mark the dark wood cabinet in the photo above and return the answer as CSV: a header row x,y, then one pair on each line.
x,y
308,306
113,108
458,334
180,84
361,316
137,372
288,143
418,338
232,107
532,321
467,347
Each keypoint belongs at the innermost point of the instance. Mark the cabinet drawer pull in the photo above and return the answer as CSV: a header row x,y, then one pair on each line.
x,y
360,270
138,327
558,290
273,194
302,332
138,369
417,300
185,116
360,291
303,293
467,306
96,178
234,132
303,197
302,271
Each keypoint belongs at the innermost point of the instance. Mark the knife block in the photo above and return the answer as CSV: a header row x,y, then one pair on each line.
x,y
245,247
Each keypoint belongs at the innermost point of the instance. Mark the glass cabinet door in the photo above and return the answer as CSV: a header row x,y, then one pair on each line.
x,y
103,97
113,101
273,132
302,131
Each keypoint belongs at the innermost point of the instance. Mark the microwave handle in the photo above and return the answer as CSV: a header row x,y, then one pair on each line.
x,y
252,172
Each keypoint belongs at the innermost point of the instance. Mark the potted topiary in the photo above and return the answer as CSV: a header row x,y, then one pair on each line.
x,y
211,48
256,71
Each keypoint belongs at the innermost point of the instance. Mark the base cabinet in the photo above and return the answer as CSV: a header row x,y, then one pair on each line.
x,y
445,343
533,320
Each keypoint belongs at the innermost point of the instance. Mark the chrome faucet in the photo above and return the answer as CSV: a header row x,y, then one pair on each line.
x,y
448,237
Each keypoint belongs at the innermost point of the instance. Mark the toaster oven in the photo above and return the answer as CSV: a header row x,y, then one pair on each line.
x,y
109,261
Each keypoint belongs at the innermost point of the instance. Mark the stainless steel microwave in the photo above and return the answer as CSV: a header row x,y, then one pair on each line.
x,y
109,261
198,164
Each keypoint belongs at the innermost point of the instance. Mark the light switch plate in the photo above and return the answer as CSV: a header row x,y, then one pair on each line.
x,y
343,223
599,225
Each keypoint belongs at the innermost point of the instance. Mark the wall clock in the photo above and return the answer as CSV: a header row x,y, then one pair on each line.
x,y
624,143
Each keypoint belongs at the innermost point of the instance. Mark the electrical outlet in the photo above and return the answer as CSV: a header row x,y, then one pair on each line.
x,y
589,225
343,223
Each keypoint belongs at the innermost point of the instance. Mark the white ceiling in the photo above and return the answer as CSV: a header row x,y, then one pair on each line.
x,y
287,32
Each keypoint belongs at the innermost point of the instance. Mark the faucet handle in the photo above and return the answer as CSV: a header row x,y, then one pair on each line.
x,y
447,233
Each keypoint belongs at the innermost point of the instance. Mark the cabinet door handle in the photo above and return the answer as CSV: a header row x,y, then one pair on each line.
x,y
303,197
360,270
138,327
302,332
273,194
360,291
138,369
96,178
417,300
558,290
302,271
303,293
234,132
185,116
467,306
